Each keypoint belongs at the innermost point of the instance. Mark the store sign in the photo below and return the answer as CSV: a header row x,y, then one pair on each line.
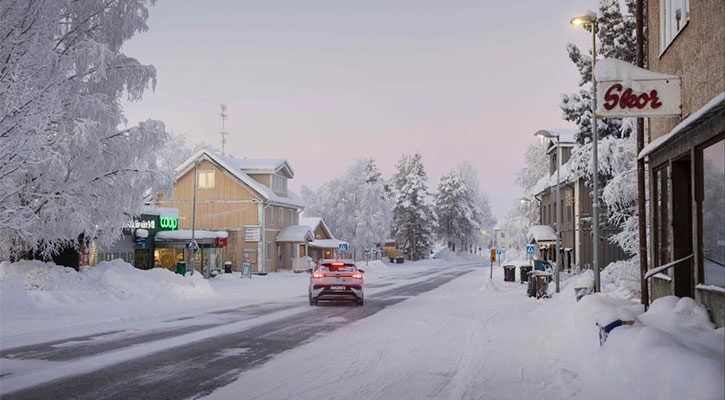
x,y
252,233
168,223
625,90
640,98
221,242
141,223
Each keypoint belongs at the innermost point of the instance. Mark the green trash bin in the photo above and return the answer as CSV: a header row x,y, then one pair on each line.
x,y
181,268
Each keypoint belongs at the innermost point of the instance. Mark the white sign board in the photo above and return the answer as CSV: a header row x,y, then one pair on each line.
x,y
625,90
252,233
639,98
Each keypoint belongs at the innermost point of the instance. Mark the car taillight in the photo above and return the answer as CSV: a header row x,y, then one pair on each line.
x,y
357,275
318,275
338,264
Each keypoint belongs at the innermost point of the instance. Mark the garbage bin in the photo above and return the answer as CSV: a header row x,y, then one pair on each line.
x,y
509,273
228,267
538,284
181,267
399,260
524,272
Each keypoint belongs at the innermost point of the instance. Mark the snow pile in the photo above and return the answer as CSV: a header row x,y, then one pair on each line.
x,y
622,278
48,284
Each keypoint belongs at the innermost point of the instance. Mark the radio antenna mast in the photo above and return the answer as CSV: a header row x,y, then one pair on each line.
x,y
224,116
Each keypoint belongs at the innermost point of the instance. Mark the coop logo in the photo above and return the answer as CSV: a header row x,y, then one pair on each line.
x,y
170,223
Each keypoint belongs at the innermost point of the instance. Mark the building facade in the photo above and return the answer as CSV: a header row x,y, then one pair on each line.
x,y
686,154
576,212
247,198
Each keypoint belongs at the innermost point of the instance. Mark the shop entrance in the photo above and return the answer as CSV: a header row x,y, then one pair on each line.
x,y
683,274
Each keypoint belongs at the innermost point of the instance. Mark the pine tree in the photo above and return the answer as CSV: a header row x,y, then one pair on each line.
x,y
457,211
414,220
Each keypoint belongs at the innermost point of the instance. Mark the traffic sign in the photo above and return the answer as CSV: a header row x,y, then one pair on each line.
x,y
493,255
500,251
530,249
342,246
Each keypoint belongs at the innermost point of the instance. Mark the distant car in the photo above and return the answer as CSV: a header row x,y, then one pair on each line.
x,y
336,280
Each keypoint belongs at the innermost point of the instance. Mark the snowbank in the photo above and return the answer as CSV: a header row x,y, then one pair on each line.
x,y
622,279
35,283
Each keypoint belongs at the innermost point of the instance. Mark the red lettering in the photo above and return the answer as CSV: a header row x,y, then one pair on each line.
x,y
628,99
610,97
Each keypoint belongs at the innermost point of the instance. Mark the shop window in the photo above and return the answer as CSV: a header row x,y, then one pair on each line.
x,y
205,179
662,230
674,15
712,160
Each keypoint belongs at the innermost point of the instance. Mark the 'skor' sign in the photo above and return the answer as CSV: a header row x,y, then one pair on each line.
x,y
639,98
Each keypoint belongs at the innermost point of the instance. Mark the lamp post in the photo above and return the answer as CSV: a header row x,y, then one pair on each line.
x,y
550,135
192,245
590,20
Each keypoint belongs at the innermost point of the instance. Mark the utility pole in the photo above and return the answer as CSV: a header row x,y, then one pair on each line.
x,y
224,116
641,211
595,162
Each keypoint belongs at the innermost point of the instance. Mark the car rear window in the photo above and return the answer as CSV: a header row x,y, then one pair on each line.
x,y
337,268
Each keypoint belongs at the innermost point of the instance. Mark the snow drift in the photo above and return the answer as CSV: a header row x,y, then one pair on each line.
x,y
26,285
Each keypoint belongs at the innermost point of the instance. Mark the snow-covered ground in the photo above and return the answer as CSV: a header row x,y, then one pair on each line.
x,y
40,302
480,339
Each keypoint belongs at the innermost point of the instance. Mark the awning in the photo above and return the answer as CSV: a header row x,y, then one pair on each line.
x,y
295,234
541,234
713,109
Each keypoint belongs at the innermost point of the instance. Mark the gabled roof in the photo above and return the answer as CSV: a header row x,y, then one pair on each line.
x,y
260,165
233,165
295,233
541,234
313,222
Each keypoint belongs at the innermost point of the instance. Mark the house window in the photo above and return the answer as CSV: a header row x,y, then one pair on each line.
x,y
279,184
271,216
205,179
269,251
674,15
662,247
291,216
712,161
281,216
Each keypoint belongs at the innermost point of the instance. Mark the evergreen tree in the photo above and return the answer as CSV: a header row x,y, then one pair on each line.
x,y
414,220
457,211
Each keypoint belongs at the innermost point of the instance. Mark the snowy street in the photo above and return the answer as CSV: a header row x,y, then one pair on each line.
x,y
431,329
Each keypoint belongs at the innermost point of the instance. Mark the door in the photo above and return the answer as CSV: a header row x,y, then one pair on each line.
x,y
683,273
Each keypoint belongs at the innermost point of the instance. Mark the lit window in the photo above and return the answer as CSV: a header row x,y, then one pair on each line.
x,y
205,179
674,15
713,213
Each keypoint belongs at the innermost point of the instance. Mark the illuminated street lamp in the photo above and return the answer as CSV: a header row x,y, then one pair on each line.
x,y
589,20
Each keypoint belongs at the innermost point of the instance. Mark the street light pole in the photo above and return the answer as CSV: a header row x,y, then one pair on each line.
x,y
595,162
590,19
192,246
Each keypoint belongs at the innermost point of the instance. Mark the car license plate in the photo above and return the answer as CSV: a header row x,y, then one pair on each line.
x,y
337,287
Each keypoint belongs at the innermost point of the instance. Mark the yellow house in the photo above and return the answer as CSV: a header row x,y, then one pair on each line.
x,y
249,199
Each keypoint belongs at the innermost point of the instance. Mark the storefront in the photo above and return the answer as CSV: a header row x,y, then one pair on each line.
x,y
687,209
171,247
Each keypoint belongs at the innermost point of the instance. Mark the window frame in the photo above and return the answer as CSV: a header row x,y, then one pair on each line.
x,y
700,199
664,23
206,172
268,252
281,216
658,250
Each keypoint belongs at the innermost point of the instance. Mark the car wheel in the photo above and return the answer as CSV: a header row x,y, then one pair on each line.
x,y
312,302
360,302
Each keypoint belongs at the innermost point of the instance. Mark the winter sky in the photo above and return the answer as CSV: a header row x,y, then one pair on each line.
x,y
322,83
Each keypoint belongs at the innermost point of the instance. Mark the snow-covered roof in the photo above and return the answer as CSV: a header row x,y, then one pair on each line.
x,y
541,233
610,69
566,136
233,165
185,234
326,243
167,212
498,226
258,165
713,107
295,233
542,184
548,181
313,222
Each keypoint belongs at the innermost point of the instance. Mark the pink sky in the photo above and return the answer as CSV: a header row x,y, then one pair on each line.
x,y
322,83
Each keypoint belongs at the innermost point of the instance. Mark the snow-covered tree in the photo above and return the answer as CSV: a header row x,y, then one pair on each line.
x,y
69,168
536,166
457,211
355,206
469,175
617,149
414,221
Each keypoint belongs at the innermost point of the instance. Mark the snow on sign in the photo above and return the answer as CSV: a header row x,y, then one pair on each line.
x,y
624,90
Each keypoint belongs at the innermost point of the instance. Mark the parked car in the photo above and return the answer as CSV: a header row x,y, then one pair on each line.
x,y
336,280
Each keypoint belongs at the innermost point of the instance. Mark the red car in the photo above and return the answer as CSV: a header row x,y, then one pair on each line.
x,y
336,280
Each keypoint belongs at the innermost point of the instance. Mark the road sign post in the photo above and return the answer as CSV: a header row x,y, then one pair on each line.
x,y
493,260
